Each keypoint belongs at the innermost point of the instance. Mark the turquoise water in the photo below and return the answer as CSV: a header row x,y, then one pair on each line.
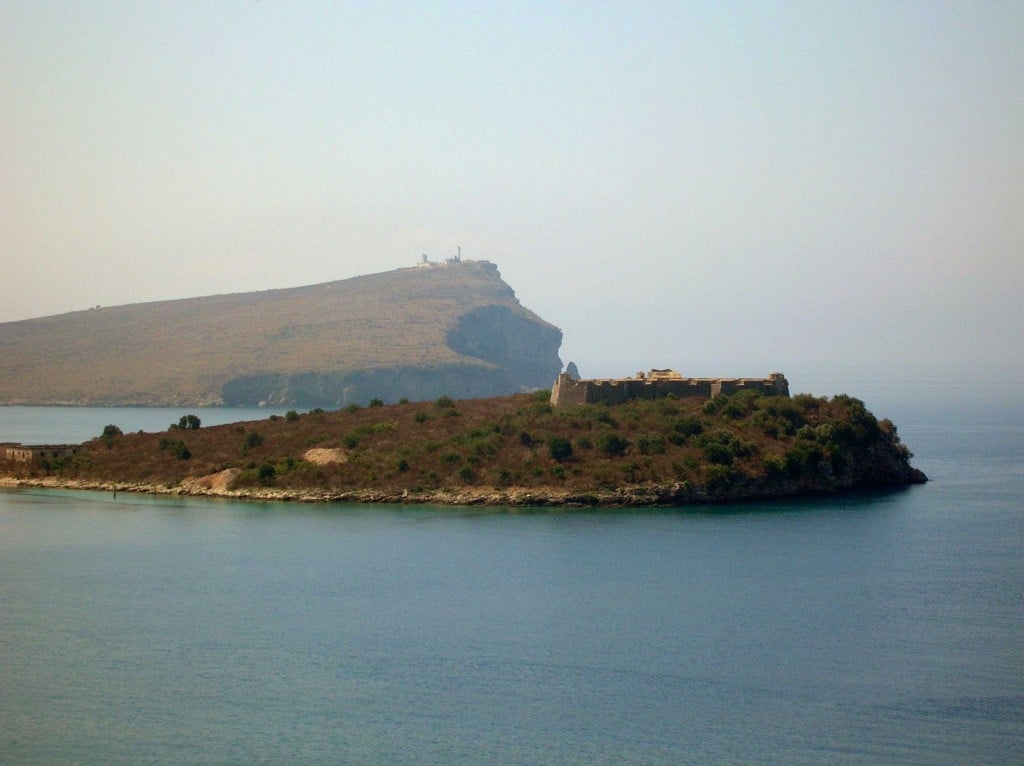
x,y
883,628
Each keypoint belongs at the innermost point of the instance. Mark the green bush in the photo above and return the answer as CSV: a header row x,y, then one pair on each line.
x,y
651,444
445,402
253,439
721,477
376,402
688,426
560,449
613,445
291,415
721,447
177,448
111,431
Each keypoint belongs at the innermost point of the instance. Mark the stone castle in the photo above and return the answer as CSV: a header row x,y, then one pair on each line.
x,y
569,390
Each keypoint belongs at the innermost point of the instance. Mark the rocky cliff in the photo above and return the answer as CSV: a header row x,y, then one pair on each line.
x,y
455,329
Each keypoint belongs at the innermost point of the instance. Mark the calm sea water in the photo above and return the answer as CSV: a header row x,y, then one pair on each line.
x,y
884,628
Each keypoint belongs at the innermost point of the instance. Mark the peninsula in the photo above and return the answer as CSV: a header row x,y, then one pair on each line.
x,y
520,450
452,327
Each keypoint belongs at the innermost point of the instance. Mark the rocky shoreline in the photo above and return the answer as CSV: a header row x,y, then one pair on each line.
x,y
676,494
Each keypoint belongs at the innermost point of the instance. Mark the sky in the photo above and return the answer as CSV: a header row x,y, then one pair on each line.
x,y
834,190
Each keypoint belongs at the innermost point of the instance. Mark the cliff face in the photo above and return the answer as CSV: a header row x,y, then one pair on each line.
x,y
416,333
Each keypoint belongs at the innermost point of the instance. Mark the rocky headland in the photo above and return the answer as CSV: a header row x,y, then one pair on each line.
x,y
452,328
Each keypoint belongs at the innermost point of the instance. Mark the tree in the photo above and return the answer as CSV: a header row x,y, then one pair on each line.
x,y
189,422
111,431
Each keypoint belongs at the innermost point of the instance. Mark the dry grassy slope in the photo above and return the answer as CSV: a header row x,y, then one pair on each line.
x,y
184,351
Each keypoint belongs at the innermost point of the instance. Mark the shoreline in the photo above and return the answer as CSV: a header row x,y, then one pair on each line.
x,y
677,494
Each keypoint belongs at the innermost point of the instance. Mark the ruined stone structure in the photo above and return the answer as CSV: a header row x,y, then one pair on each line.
x,y
568,391
18,453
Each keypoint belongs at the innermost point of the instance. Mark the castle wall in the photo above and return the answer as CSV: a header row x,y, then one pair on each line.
x,y
568,392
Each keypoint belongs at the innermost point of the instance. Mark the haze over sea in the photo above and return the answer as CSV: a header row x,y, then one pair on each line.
x,y
863,629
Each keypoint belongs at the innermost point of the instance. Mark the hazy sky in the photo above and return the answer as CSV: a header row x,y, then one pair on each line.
x,y
829,189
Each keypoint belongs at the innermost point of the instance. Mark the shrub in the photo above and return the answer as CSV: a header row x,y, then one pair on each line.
x,y
177,448
632,472
421,417
266,473
291,415
720,447
353,407
560,449
774,465
613,445
404,400
376,402
403,465
717,453
189,422
253,439
738,405
110,431
721,476
651,444
445,402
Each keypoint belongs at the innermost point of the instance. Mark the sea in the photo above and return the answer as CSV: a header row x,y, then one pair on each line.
x,y
869,628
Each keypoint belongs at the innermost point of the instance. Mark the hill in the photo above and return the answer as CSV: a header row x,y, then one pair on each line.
x,y
515,450
454,329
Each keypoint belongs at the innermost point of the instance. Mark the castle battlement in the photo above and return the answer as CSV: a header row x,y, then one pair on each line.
x,y
569,391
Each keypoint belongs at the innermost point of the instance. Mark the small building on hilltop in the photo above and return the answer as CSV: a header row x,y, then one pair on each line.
x,y
569,391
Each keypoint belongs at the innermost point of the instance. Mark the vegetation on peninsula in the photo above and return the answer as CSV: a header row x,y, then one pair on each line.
x,y
513,450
